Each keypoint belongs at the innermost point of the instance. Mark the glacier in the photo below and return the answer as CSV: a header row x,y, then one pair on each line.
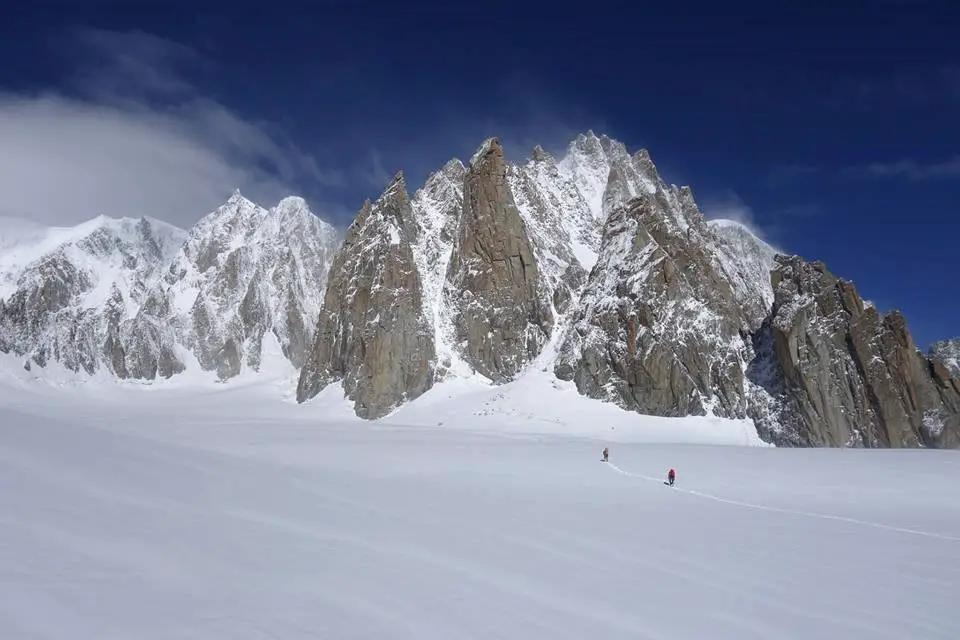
x,y
220,510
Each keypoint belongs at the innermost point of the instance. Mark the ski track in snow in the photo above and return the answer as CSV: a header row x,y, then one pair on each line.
x,y
810,514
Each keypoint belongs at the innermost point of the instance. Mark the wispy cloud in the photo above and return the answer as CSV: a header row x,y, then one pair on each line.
x,y
804,211
518,110
729,206
935,86
908,169
373,173
785,174
133,136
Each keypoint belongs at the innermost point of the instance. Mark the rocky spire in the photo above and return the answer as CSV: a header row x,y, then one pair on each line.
x,y
502,310
373,333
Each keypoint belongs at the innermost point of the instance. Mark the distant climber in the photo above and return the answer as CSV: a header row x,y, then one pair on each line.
x,y
671,476
606,454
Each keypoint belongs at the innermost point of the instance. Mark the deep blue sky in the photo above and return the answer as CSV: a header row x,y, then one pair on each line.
x,y
834,129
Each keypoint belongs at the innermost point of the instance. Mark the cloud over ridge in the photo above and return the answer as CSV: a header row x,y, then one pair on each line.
x,y
134,138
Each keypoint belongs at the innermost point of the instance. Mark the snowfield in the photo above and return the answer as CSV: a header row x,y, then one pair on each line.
x,y
228,511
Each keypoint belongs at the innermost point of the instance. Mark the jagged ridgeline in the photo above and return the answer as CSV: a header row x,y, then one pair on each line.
x,y
588,267
593,267
141,299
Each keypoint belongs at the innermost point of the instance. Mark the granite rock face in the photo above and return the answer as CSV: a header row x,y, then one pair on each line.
x,y
500,305
658,328
373,333
850,376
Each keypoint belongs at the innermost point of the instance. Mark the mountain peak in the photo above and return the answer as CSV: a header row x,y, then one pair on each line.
x,y
644,163
235,201
454,166
292,207
292,202
588,147
488,147
539,155
397,187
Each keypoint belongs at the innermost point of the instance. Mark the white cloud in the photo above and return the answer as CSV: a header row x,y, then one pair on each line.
x,y
119,151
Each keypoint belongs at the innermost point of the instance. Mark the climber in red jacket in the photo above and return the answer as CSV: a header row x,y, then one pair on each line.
x,y
671,476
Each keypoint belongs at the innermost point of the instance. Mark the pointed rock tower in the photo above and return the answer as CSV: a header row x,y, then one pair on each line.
x,y
372,333
501,308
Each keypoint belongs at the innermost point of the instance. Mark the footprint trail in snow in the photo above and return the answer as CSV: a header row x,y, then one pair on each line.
x,y
810,514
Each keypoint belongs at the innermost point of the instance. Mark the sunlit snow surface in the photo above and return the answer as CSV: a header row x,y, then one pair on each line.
x,y
198,510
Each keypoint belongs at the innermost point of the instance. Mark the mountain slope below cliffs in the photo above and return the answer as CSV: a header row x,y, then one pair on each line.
x,y
68,291
243,272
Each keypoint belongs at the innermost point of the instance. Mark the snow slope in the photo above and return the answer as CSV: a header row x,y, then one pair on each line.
x,y
166,513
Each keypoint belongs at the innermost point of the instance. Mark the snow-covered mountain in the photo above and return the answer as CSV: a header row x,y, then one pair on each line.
x,y
245,274
68,291
505,251
594,269
143,299
587,268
